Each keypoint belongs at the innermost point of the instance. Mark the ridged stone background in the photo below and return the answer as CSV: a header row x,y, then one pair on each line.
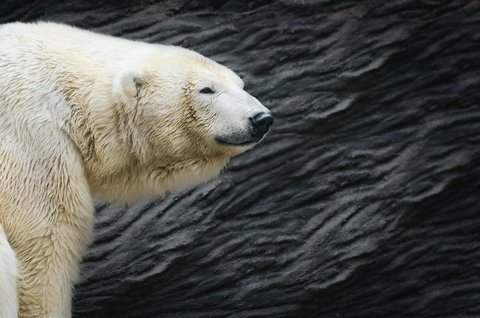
x,y
363,201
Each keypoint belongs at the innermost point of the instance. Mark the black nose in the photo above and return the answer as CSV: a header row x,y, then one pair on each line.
x,y
261,122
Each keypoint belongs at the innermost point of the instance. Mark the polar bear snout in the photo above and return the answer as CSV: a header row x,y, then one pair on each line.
x,y
261,123
257,127
241,120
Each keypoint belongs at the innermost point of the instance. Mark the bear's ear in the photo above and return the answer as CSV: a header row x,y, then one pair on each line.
x,y
126,87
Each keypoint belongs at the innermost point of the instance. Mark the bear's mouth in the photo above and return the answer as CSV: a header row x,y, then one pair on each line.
x,y
225,142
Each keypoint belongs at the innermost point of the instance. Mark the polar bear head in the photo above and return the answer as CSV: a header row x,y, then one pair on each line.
x,y
188,99
190,114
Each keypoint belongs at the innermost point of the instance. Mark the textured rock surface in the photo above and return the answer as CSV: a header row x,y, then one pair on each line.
x,y
362,202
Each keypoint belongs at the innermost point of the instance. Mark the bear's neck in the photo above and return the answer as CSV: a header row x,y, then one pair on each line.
x,y
149,181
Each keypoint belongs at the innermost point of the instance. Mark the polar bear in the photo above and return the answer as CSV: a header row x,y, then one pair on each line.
x,y
85,116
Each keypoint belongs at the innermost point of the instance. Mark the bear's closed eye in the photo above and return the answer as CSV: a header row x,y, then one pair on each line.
x,y
206,90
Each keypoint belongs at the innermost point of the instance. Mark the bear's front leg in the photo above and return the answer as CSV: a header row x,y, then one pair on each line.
x,y
49,254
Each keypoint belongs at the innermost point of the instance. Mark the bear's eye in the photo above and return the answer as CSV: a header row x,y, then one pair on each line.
x,y
206,90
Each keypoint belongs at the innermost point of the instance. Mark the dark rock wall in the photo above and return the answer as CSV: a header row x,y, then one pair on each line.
x,y
363,201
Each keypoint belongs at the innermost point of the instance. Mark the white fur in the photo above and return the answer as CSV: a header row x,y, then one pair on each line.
x,y
8,279
84,115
